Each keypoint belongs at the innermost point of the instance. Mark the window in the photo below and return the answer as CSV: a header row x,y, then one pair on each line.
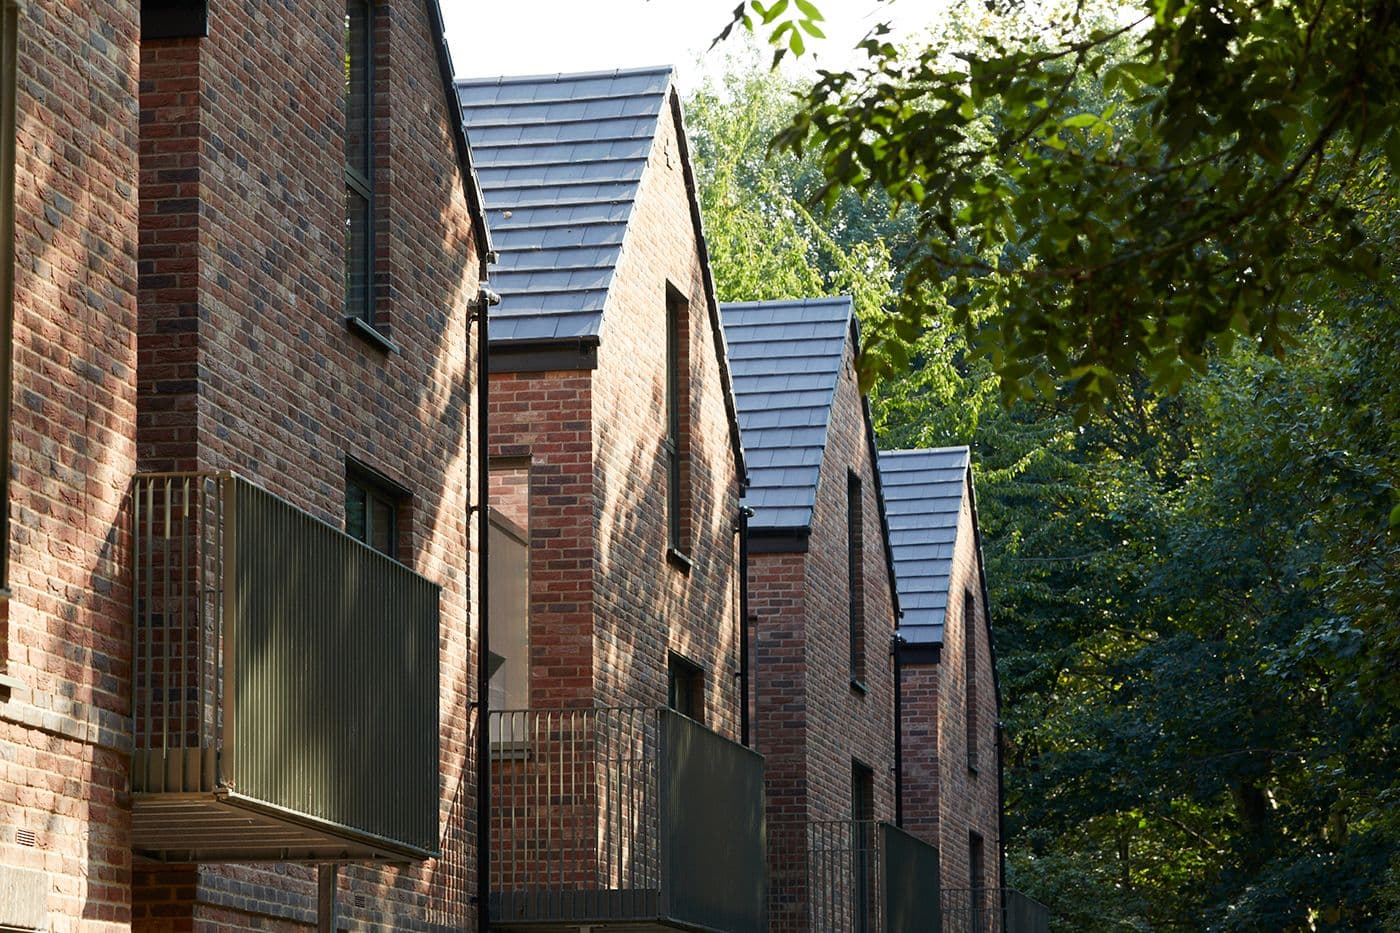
x,y
508,554
976,862
677,441
9,27
685,688
863,844
855,577
359,161
969,624
374,509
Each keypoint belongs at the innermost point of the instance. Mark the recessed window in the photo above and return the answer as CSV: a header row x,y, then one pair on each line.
x,y
676,443
359,161
969,623
685,688
508,554
863,844
855,577
374,511
976,861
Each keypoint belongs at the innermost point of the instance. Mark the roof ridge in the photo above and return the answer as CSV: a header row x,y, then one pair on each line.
x,y
560,77
966,448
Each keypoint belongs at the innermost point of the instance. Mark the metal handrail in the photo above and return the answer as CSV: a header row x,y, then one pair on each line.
x,y
575,799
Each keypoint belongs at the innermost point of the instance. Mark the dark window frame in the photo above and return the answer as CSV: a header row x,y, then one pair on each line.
x,y
855,578
685,687
675,444
378,488
360,184
863,844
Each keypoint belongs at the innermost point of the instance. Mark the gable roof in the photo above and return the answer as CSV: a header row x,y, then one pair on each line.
x,y
560,159
785,358
923,497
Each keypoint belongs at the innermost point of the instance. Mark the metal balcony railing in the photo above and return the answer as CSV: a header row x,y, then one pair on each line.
x,y
624,816
851,876
992,910
286,682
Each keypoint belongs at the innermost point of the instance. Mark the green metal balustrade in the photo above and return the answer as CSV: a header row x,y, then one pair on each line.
x,y
286,682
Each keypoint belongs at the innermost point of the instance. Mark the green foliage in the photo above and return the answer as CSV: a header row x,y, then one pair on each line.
x,y
1100,197
1196,588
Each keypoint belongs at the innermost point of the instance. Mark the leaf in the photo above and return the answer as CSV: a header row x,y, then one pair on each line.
x,y
810,10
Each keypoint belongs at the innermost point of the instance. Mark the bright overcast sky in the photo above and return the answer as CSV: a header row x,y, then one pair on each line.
x,y
520,37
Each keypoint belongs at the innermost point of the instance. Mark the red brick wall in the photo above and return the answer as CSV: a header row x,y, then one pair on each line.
x,y
65,636
646,605
247,362
810,723
920,765
545,419
967,799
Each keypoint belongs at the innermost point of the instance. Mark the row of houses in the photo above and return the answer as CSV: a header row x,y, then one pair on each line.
x,y
399,534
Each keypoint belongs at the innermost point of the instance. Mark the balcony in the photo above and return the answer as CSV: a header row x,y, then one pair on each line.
x,y
630,817
285,683
992,910
851,876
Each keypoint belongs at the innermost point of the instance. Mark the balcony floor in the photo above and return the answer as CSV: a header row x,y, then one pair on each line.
x,y
223,827
556,911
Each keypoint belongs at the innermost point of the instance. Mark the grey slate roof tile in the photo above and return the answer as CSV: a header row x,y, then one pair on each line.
x,y
924,491
785,358
563,156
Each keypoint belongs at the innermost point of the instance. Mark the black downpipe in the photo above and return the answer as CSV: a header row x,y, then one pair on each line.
x,y
897,644
483,624
744,736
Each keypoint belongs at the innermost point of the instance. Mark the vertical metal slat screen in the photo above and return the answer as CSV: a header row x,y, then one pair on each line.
x,y
277,657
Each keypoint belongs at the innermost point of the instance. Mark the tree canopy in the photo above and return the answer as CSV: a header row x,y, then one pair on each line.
x,y
1099,191
1194,588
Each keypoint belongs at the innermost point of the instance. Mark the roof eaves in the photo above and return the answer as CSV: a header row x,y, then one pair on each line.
x,y
471,183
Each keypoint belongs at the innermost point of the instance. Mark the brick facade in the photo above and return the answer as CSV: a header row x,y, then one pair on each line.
x,y
607,604
65,731
944,798
811,723
180,305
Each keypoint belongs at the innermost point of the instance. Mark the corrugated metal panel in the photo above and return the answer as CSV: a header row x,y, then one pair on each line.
x,y
560,158
785,358
924,492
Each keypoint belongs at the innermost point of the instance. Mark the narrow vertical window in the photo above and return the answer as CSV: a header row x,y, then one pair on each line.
x,y
862,845
677,440
855,577
969,621
359,161
9,27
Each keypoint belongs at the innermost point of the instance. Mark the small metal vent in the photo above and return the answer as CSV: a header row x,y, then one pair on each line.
x,y
26,837
361,901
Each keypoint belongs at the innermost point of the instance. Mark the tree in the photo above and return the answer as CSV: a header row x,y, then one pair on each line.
x,y
1196,191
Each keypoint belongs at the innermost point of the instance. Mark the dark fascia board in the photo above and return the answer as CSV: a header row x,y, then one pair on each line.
x,y
875,470
779,540
174,19
692,190
471,184
544,355
911,655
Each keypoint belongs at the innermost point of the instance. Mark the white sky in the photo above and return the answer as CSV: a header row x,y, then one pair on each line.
x,y
520,37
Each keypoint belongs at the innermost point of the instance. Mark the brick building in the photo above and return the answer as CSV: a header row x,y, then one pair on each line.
x,y
615,466
245,258
950,696
822,601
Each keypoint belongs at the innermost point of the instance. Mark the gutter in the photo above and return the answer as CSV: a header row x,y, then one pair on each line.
x,y
482,315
